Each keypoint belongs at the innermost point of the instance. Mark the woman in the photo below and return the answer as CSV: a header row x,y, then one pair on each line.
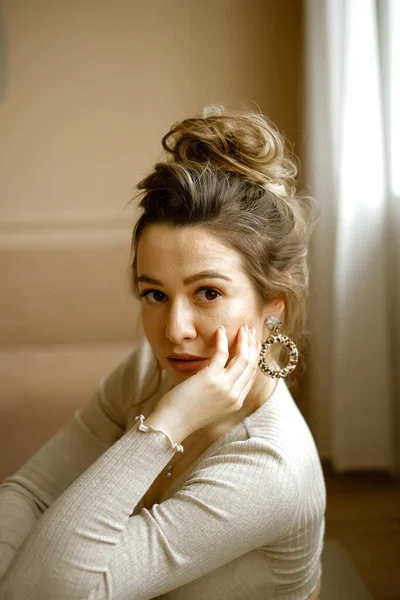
x,y
191,473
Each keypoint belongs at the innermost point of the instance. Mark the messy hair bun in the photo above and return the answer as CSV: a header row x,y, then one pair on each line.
x,y
231,172
246,143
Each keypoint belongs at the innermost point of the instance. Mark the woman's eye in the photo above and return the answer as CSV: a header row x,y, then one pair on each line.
x,y
208,294
154,296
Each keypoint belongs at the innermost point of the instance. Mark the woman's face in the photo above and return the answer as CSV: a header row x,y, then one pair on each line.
x,y
191,284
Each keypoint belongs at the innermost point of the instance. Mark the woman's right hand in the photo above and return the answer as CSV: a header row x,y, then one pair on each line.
x,y
216,391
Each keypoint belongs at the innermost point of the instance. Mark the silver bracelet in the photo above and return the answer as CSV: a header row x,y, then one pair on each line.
x,y
143,427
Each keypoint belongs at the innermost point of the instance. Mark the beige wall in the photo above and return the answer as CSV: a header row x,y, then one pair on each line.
x,y
92,85
90,88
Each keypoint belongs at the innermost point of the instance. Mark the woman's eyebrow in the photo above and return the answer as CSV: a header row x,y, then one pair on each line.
x,y
188,280
205,275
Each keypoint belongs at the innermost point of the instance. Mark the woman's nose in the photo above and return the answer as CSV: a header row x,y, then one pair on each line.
x,y
180,324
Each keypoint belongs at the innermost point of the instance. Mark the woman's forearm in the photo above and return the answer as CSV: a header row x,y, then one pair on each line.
x,y
74,541
18,516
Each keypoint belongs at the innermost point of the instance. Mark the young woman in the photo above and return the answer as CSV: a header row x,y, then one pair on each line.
x,y
191,473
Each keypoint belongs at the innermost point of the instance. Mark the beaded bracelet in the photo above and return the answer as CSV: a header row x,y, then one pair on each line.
x,y
143,427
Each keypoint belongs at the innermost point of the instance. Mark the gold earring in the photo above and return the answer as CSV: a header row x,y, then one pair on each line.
x,y
275,326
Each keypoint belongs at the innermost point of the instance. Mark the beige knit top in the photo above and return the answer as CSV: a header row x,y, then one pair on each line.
x,y
244,521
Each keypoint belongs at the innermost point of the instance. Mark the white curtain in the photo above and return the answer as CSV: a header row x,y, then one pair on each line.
x,y
352,100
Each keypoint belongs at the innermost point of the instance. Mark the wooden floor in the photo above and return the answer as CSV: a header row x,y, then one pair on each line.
x,y
363,512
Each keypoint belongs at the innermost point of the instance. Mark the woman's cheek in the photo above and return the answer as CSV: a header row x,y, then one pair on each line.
x,y
233,323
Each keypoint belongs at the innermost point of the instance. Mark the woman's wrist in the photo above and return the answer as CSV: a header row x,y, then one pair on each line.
x,y
168,422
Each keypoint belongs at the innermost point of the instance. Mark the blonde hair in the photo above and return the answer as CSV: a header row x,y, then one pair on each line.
x,y
231,171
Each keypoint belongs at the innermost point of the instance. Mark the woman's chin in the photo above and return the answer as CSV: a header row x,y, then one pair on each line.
x,y
178,376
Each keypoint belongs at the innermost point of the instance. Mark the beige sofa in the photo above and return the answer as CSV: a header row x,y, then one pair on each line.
x,y
67,318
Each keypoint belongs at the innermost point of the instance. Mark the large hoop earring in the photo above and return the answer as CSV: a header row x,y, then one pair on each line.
x,y
275,325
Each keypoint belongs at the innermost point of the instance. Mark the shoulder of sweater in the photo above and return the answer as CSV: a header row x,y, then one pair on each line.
x,y
131,374
281,428
127,384
263,435
278,417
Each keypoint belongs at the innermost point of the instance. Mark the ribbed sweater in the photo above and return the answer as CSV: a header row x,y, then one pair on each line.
x,y
244,521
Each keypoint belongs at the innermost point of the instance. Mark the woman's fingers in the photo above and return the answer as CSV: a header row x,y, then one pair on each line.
x,y
219,360
221,388
240,373
245,381
242,358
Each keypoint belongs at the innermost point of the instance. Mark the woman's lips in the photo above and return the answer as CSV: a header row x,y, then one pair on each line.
x,y
187,365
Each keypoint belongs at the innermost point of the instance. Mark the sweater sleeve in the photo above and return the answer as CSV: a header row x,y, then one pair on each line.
x,y
88,546
27,494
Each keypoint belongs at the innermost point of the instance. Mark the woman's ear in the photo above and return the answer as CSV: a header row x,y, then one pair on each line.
x,y
275,308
